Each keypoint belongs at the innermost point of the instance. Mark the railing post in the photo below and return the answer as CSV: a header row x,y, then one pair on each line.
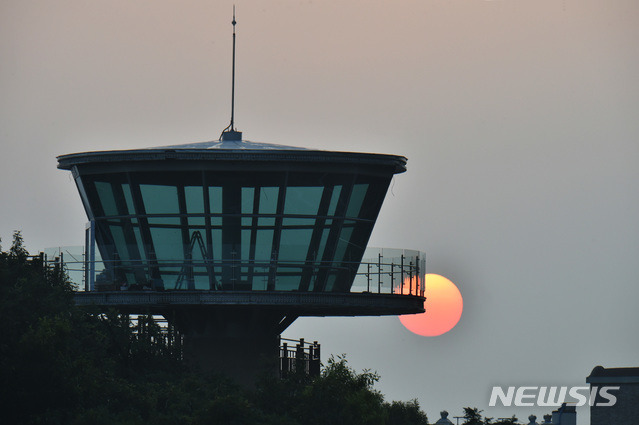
x,y
299,357
368,277
379,273
401,284
417,290
314,359
410,278
284,361
392,276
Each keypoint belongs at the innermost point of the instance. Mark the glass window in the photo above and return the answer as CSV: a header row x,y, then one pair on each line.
x,y
215,199
120,242
330,282
197,245
247,205
107,199
246,244
298,222
138,239
294,244
264,245
288,279
128,197
217,249
197,222
247,200
268,200
251,211
342,243
302,200
322,245
159,199
194,199
167,244
215,204
260,279
200,278
334,198
170,275
266,221
357,198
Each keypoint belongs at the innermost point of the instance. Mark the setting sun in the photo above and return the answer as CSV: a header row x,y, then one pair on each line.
x,y
444,305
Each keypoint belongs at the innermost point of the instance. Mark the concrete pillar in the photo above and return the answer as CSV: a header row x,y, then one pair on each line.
x,y
241,343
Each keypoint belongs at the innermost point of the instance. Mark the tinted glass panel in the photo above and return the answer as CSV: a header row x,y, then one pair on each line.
x,y
263,245
337,190
357,198
128,198
266,221
159,199
247,200
294,244
167,244
105,193
288,279
268,200
342,243
194,199
120,242
302,200
182,241
246,244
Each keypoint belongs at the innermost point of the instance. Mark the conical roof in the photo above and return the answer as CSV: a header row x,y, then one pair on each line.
x,y
232,145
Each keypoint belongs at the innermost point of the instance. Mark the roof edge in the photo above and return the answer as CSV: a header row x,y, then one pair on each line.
x,y
66,162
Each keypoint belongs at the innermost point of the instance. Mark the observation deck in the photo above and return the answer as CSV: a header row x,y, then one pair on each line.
x,y
232,216
387,282
234,239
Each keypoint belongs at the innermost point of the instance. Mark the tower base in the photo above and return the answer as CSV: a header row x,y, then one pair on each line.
x,y
242,343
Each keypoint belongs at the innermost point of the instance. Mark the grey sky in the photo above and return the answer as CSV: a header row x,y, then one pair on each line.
x,y
518,117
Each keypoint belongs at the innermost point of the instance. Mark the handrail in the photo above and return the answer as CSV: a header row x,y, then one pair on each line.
x,y
388,273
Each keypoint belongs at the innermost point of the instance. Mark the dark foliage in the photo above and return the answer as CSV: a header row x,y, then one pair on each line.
x,y
63,365
508,421
472,416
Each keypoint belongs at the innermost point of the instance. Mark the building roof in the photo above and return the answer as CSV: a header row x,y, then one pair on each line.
x,y
601,375
236,151
231,145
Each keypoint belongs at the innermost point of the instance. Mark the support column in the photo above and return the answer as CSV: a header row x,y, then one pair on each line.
x,y
241,343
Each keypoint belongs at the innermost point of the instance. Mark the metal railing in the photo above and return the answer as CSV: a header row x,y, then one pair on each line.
x,y
382,271
299,357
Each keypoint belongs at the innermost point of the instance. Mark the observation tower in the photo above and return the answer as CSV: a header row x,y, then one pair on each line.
x,y
232,240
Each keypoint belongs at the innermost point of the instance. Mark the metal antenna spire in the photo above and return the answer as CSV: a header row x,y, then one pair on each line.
x,y
229,132
233,80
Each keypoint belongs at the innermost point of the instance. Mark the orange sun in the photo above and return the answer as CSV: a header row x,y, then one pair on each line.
x,y
444,305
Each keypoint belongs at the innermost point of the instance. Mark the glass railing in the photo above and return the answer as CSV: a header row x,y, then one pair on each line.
x,y
391,271
381,271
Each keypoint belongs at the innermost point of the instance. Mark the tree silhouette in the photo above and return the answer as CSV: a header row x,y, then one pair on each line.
x,y
472,416
60,364
510,421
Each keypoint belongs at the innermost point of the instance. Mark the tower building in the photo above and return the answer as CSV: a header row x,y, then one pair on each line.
x,y
232,240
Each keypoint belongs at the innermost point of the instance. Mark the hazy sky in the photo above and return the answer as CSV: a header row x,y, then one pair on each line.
x,y
518,117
